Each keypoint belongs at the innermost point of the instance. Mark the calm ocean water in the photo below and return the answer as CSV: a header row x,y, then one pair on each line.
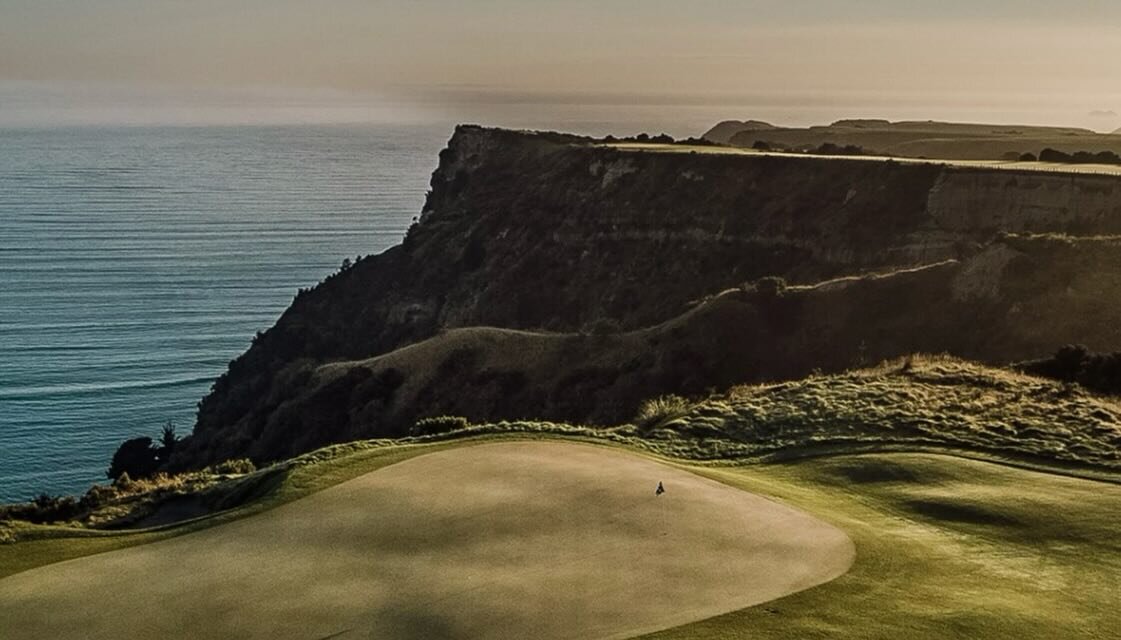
x,y
135,263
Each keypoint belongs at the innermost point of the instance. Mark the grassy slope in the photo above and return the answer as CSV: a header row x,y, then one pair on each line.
x,y
945,548
935,401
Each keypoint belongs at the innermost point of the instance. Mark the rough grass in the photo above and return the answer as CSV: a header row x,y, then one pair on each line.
x,y
919,402
658,411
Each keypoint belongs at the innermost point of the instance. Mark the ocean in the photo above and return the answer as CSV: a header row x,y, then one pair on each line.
x,y
136,262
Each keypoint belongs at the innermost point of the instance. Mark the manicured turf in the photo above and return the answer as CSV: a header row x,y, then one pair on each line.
x,y
530,539
946,547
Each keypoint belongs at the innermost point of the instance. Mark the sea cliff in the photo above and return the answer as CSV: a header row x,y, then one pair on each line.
x,y
552,276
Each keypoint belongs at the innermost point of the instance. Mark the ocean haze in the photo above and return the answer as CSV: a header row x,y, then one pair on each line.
x,y
135,262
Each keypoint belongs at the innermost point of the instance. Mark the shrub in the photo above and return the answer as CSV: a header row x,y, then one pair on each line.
x,y
1053,155
237,466
438,424
46,509
136,457
1028,157
604,327
771,286
123,482
831,149
658,411
1075,364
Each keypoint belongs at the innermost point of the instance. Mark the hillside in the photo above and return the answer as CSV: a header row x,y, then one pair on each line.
x,y
1012,296
943,140
588,264
723,132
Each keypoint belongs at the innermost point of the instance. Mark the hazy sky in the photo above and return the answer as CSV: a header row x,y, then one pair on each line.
x,y
1022,59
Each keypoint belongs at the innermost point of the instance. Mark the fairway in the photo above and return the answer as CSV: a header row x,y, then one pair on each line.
x,y
527,539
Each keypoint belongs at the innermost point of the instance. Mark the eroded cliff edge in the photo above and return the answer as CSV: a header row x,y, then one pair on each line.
x,y
600,268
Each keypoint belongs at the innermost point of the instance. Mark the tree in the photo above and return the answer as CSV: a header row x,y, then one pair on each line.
x,y
1054,155
168,440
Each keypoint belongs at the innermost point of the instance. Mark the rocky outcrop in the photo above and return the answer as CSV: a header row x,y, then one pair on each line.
x,y
589,248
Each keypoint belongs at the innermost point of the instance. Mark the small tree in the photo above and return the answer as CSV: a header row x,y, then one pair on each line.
x,y
168,440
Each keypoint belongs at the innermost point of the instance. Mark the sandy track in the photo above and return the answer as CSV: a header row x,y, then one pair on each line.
x,y
542,540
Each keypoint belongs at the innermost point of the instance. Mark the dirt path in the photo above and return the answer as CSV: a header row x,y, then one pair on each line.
x,y
531,540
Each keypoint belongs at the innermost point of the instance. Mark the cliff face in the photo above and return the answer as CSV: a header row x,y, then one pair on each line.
x,y
974,201
550,233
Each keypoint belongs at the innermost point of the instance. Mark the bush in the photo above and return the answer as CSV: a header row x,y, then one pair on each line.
x,y
238,466
604,327
1053,155
136,457
830,149
438,424
658,411
771,286
45,509
1075,364
1027,157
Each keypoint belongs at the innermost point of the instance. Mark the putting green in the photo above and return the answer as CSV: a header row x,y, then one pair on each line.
x,y
520,539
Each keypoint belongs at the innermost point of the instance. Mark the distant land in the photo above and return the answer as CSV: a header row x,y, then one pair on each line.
x,y
919,139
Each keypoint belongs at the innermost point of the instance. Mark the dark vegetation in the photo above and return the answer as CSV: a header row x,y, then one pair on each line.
x,y
824,149
1079,157
140,458
1098,372
437,425
156,499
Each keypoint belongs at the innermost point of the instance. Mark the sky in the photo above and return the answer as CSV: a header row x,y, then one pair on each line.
x,y
795,61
